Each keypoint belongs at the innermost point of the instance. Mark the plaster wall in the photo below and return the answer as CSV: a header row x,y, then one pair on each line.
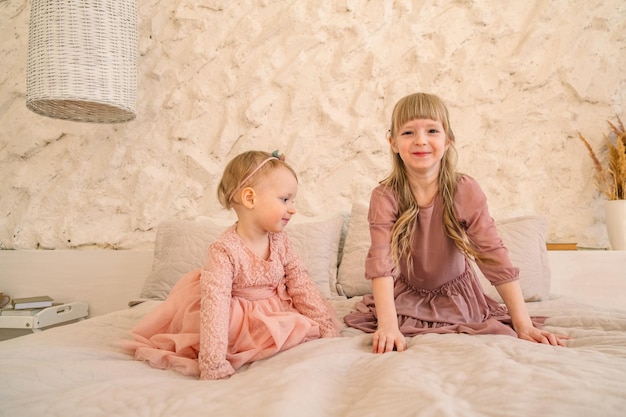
x,y
318,80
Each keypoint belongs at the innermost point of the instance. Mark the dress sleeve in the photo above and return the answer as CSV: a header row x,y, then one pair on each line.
x,y
382,215
473,213
216,282
305,295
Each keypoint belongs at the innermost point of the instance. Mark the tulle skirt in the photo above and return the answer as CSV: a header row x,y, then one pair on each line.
x,y
262,323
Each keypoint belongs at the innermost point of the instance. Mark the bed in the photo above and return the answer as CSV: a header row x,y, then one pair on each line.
x,y
79,370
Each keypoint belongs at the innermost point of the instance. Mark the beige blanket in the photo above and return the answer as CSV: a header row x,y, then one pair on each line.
x,y
76,370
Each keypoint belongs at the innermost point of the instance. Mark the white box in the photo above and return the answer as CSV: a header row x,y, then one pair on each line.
x,y
50,316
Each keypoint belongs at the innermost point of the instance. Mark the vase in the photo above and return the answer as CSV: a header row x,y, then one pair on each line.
x,y
615,220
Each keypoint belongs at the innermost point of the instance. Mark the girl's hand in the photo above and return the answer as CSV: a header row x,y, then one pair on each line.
x,y
385,340
387,335
534,334
511,293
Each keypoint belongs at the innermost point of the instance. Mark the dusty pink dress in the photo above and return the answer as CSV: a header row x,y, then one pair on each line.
x,y
237,309
442,293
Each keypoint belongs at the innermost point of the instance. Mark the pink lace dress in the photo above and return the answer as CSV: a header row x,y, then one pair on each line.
x,y
441,293
236,310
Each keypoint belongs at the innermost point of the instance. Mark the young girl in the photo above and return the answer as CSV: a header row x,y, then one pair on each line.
x,y
253,297
426,221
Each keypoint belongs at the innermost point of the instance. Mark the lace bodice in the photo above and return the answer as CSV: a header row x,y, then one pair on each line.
x,y
232,270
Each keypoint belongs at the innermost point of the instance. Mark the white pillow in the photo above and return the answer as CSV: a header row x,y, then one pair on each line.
x,y
524,237
351,276
317,243
181,246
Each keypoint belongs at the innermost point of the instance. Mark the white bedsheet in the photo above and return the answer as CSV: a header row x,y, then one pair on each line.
x,y
76,370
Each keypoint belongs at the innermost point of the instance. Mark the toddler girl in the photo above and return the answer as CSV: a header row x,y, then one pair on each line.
x,y
253,297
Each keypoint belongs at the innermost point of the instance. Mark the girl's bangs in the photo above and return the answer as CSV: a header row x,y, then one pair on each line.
x,y
415,107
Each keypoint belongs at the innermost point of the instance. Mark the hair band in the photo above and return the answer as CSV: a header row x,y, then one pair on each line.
x,y
275,155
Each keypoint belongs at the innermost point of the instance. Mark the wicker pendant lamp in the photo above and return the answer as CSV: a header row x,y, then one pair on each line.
x,y
82,60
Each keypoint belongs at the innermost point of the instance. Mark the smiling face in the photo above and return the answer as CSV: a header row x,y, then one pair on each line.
x,y
421,144
275,197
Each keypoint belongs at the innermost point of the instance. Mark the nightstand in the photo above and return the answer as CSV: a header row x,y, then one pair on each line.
x,y
13,326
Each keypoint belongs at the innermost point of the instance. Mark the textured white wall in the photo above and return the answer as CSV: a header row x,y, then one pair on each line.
x,y
317,80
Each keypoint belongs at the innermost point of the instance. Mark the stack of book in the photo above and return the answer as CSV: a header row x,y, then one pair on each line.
x,y
28,306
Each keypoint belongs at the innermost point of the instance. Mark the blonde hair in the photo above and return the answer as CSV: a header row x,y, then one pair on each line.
x,y
246,169
424,106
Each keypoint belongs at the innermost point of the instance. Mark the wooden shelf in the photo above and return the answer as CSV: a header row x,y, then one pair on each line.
x,y
562,246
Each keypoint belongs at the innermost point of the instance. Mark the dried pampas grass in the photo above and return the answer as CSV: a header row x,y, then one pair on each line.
x,y
611,179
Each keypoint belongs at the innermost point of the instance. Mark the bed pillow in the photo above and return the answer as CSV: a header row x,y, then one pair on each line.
x,y
524,237
317,243
351,279
181,246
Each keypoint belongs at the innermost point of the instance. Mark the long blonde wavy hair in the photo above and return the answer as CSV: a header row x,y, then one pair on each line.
x,y
424,106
